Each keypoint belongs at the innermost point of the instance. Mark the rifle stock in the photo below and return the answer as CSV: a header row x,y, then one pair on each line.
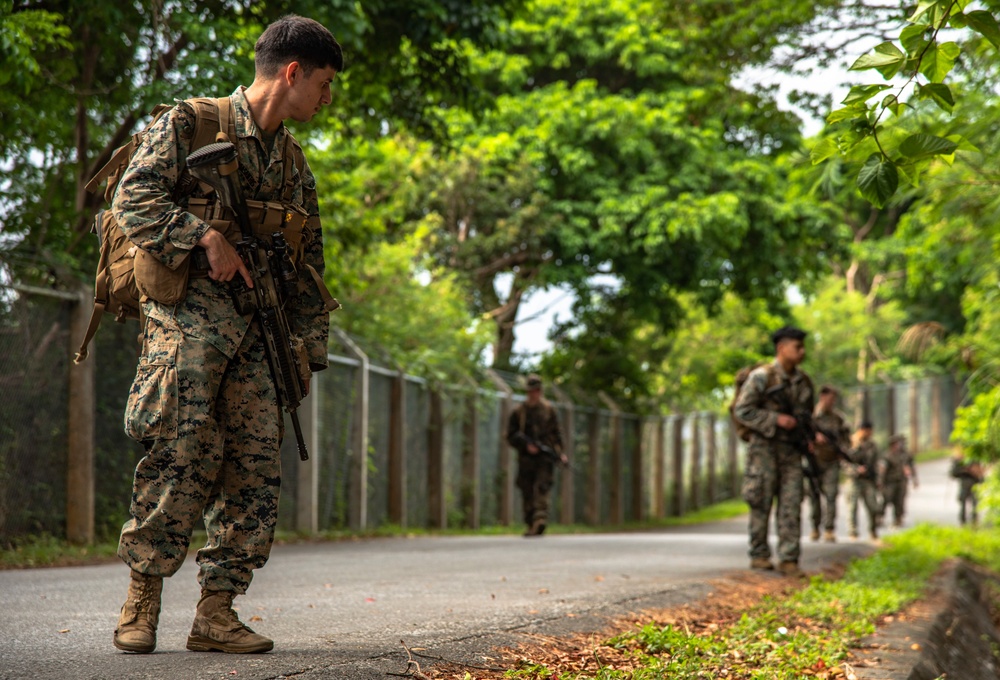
x,y
216,164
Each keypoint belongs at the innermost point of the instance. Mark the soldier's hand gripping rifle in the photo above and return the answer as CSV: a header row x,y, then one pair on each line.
x,y
547,451
271,270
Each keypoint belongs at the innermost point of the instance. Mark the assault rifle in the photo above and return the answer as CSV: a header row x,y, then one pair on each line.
x,y
803,436
271,270
546,451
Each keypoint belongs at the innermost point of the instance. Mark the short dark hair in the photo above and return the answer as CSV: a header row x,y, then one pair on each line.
x,y
787,333
865,425
296,38
827,389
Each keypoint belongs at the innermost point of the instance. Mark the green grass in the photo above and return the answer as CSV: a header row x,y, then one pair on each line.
x,y
813,629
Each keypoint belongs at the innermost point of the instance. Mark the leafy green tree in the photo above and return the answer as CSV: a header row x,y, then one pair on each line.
x,y
84,75
627,167
924,60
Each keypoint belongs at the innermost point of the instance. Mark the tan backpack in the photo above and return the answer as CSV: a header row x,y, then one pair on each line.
x,y
741,378
115,290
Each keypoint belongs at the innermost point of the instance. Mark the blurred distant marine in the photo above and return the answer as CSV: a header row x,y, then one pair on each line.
x,y
969,475
533,429
898,471
864,477
829,452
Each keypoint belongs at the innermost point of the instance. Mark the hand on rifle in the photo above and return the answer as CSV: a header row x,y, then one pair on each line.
x,y
787,422
223,260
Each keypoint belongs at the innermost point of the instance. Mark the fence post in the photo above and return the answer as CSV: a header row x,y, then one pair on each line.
x,y
659,471
80,430
505,459
638,478
914,446
615,496
470,492
569,440
936,440
397,450
695,479
437,512
307,471
711,451
678,434
890,396
357,512
594,471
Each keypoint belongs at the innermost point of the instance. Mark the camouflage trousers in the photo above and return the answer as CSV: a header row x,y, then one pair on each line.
x,y
823,510
774,470
212,432
894,494
535,475
864,490
967,500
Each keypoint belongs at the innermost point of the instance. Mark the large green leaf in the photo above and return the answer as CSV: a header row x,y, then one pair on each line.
x,y
887,59
939,60
939,93
862,93
878,180
924,146
985,24
912,38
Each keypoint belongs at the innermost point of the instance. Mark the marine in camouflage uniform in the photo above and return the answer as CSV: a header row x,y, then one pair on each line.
x,y
968,476
864,478
531,424
776,403
897,472
203,403
829,419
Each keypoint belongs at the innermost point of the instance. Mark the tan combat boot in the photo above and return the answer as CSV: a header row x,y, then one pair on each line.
x,y
217,628
789,568
136,631
761,563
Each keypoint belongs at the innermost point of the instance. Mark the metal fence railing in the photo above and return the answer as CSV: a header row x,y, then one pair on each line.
x,y
385,447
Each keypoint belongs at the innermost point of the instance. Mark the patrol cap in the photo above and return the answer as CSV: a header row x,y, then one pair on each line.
x,y
788,333
533,382
896,438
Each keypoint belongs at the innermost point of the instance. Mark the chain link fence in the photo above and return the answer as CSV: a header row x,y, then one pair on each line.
x,y
385,448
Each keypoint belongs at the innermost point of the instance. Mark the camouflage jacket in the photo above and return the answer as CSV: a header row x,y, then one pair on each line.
x,y
539,423
145,207
865,454
758,406
834,422
896,462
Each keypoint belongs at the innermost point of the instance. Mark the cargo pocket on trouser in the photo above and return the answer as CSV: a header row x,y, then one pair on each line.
x,y
752,490
151,411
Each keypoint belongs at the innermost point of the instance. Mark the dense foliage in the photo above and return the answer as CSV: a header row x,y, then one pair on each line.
x,y
480,152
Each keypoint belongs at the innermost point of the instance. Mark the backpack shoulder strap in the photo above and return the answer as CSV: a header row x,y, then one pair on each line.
x,y
212,117
124,151
293,156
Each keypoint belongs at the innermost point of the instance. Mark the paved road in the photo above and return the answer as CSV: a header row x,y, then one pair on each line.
x,y
341,610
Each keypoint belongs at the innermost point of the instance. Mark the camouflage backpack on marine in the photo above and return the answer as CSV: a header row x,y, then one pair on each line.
x,y
116,291
741,377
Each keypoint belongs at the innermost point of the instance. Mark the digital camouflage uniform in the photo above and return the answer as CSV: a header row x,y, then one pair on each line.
x,y
824,510
774,455
897,462
535,473
203,402
968,476
863,486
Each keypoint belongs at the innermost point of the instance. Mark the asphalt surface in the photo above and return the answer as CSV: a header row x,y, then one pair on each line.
x,y
347,609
